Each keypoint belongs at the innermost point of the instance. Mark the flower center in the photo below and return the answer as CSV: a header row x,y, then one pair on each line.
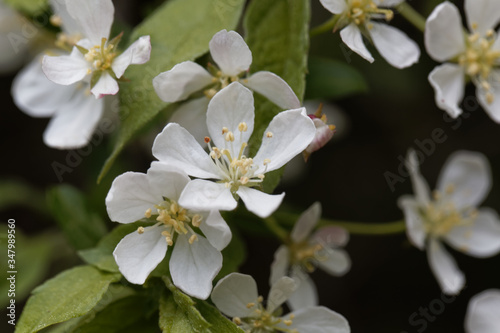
x,y
304,254
101,56
175,220
361,11
479,60
220,81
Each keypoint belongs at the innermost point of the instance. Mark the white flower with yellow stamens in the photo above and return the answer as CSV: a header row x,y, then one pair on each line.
x,y
195,260
451,215
305,252
475,55
482,312
236,296
356,17
230,122
95,57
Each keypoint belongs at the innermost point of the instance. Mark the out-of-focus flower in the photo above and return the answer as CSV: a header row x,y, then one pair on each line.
x,y
482,312
324,133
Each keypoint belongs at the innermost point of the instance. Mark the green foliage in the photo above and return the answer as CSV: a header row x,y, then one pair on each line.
x,y
30,7
180,30
335,79
277,32
70,294
16,193
69,208
218,321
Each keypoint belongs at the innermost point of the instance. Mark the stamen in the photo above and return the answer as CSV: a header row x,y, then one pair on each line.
x,y
196,220
250,305
224,130
140,230
237,321
207,139
192,239
266,161
229,136
148,213
242,127
269,134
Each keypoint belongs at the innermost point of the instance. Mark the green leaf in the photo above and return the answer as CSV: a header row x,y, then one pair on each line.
x,y
69,208
30,7
220,324
277,32
180,30
335,79
18,193
70,294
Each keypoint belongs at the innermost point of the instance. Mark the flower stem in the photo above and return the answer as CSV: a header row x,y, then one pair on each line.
x,y
411,15
325,27
273,225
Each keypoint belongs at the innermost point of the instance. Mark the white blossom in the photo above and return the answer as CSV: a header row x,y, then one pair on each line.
x,y
482,313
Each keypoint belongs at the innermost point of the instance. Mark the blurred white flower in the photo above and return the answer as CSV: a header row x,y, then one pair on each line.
x,y
482,313
195,260
304,252
13,44
236,296
451,215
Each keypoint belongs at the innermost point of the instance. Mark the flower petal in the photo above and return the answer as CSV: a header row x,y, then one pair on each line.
x,y
444,267
352,37
274,88
444,35
230,107
394,45
306,294
258,202
331,236
448,82
279,293
175,146
482,15
192,115
230,52
166,181
414,225
387,3
306,223
465,179
65,70
292,131
492,107
181,81
317,319
69,25
136,54
137,255
232,294
334,6
420,186
95,17
194,266
335,262
216,230
106,85
482,312
279,266
205,195
479,239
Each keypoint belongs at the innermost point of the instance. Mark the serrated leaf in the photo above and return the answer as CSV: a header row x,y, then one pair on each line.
x,y
220,324
180,30
329,78
70,294
277,32
30,7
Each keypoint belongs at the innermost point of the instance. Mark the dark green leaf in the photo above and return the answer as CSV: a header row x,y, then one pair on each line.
x,y
234,255
17,193
220,324
31,7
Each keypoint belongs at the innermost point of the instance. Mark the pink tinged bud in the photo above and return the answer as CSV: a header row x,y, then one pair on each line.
x,y
323,134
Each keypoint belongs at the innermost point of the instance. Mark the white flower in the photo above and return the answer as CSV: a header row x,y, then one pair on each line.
x,y
475,56
233,58
236,296
195,260
304,253
230,122
356,16
482,313
75,113
451,215
95,57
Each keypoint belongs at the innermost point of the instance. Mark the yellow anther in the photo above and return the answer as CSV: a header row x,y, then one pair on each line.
x,y
269,135
260,299
287,322
292,316
229,136
148,213
490,98
244,180
266,161
196,221
140,230
237,320
250,305
192,239
209,93
225,130
261,176
174,208
56,20
242,127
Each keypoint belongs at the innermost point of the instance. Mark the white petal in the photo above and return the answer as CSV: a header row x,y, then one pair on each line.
x,y
331,236
136,54
106,85
230,52
137,255
420,186
482,15
493,108
480,239
279,293
414,225
232,294
216,230
306,223
468,175
258,202
75,121
334,6
69,25
273,88
292,131
317,319
205,195
65,70
448,82
394,45
306,294
194,266
36,95
94,17
482,313
175,146
228,108
444,33
335,262
192,115
181,81
279,266
387,3
352,37
450,278
166,181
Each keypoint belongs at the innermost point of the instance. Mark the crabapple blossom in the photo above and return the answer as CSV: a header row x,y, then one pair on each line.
x,y
324,133
482,312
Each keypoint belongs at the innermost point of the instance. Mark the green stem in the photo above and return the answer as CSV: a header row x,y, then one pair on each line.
x,y
325,27
273,225
411,15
